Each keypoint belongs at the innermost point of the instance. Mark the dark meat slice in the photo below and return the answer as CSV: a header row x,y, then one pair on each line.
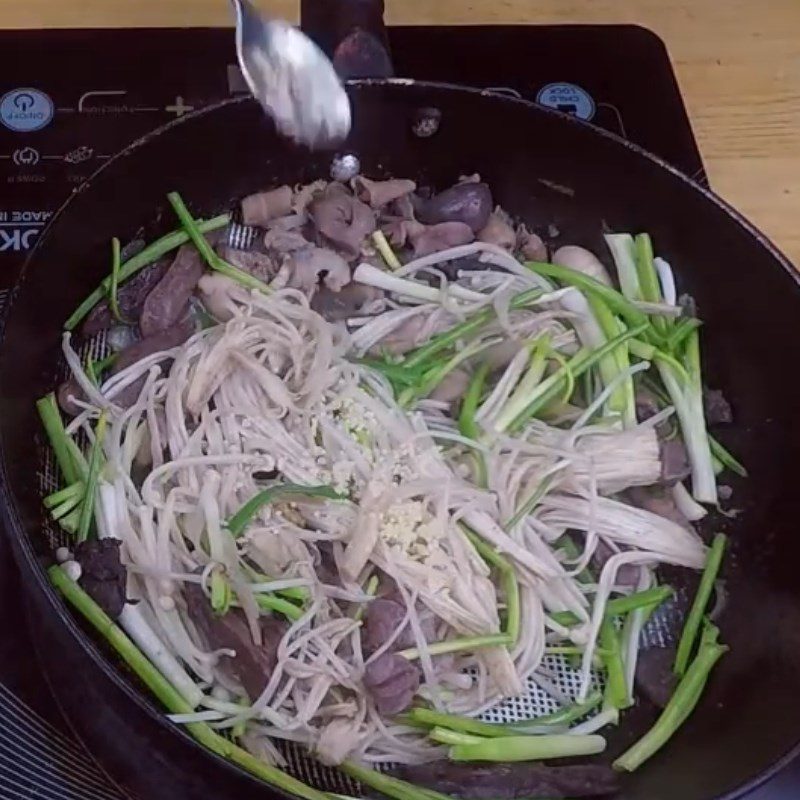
x,y
654,676
102,573
627,574
259,265
435,238
347,302
717,408
470,203
646,405
261,207
68,392
130,298
515,780
167,301
675,465
392,682
498,231
253,664
382,618
658,500
342,220
165,340
381,193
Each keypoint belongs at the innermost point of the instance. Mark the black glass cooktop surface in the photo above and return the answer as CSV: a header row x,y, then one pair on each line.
x,y
59,123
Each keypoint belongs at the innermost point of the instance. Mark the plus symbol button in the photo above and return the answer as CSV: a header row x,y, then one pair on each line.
x,y
179,108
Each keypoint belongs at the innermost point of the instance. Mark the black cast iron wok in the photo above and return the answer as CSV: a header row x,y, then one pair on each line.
x,y
749,719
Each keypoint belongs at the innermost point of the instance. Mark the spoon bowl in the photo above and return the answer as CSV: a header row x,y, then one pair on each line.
x,y
292,78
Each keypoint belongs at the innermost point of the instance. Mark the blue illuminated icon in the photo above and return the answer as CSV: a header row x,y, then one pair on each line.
x,y
26,110
569,98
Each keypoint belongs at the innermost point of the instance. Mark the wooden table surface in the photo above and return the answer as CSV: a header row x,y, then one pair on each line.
x,y
738,64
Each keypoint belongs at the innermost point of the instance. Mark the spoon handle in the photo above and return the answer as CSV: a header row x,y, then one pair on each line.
x,y
352,32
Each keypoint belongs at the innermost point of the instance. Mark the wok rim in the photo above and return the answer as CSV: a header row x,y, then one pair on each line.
x,y
17,532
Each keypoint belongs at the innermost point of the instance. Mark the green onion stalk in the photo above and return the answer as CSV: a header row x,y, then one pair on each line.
x,y
464,330
619,606
238,523
69,458
169,696
694,619
616,687
423,717
215,262
615,301
92,479
149,255
681,704
582,361
649,284
113,291
688,401
623,251
622,400
529,748
508,580
467,425
530,385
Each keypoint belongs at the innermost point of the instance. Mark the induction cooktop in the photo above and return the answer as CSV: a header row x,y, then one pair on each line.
x,y
59,123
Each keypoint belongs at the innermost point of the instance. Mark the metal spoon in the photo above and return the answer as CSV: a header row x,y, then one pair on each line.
x,y
292,78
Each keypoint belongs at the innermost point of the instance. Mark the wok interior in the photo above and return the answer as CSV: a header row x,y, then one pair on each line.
x,y
546,170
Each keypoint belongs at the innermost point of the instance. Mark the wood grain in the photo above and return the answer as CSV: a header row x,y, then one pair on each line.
x,y
738,64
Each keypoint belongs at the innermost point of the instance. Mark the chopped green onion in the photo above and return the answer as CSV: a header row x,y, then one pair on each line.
x,y
564,716
616,687
623,251
63,495
695,617
69,458
682,328
537,725
681,704
447,736
509,580
648,279
371,588
529,748
192,228
384,248
725,458
270,602
531,384
220,593
579,363
647,598
612,298
113,298
459,645
244,516
388,785
169,695
447,338
141,260
240,727
95,369
466,419
95,465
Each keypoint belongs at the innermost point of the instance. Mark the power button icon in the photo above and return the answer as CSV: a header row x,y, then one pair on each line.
x,y
26,109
